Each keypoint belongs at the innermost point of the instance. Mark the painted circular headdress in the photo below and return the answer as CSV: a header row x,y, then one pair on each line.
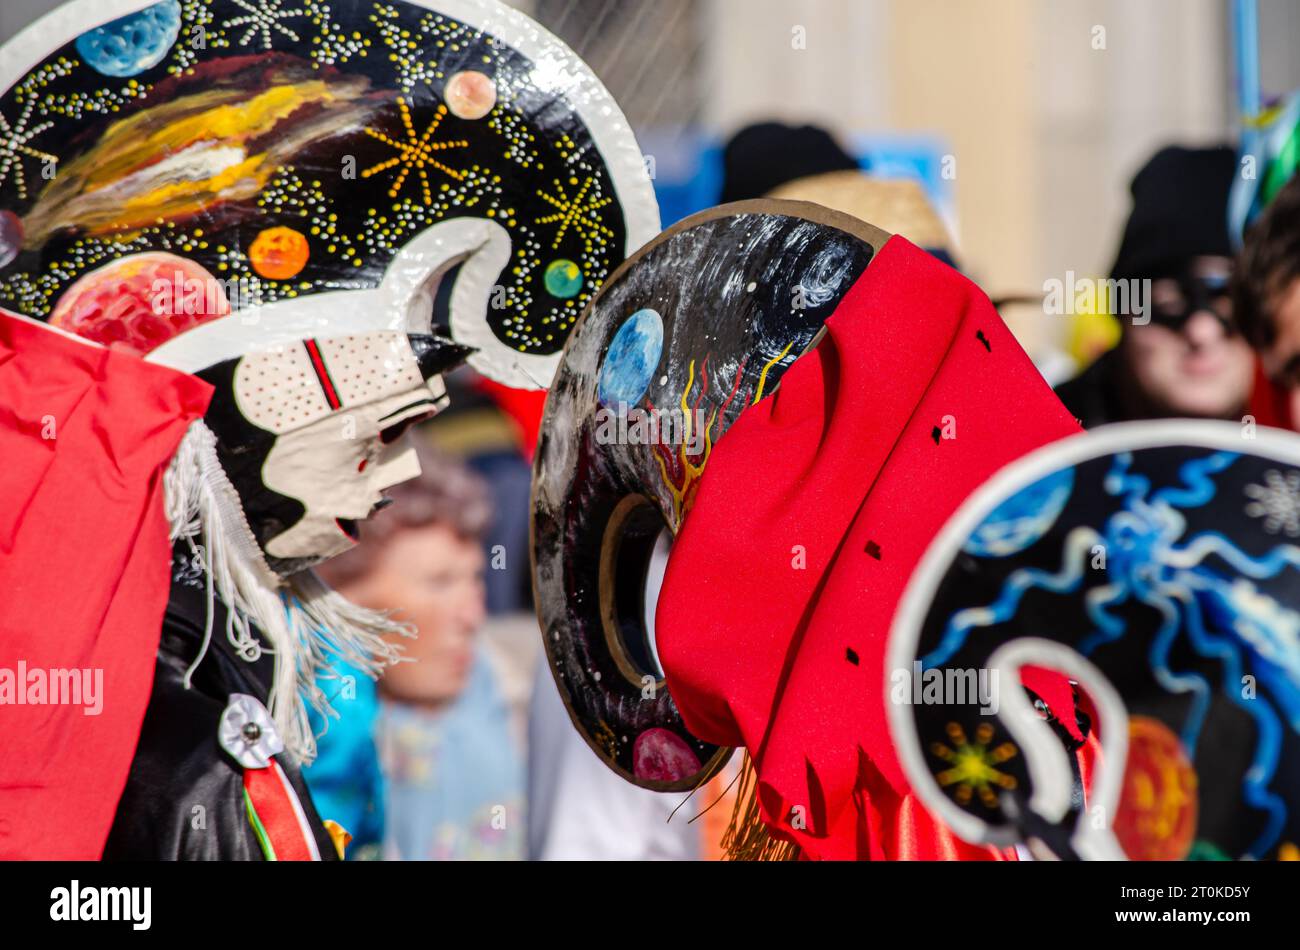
x,y
1156,566
190,178
318,207
700,323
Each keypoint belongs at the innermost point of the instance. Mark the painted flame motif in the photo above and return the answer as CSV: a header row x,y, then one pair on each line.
x,y
680,468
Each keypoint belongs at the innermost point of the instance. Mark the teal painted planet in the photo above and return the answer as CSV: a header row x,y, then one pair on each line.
x,y
133,43
563,279
1023,518
631,361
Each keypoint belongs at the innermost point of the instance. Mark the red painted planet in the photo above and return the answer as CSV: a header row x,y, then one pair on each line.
x,y
140,302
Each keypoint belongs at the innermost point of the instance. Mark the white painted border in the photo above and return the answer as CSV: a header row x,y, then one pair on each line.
x,y
1037,743
342,312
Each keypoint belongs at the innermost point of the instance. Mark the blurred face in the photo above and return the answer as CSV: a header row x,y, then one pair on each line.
x,y
1189,360
433,578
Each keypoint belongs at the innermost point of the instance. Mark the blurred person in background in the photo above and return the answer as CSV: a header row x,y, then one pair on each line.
x,y
1189,359
897,205
493,429
761,157
344,778
452,772
1266,295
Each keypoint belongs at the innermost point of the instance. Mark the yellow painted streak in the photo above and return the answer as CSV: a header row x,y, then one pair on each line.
x,y
140,137
686,412
762,377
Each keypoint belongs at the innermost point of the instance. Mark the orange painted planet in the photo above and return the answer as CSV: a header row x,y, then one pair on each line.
x,y
140,302
470,94
1156,820
279,253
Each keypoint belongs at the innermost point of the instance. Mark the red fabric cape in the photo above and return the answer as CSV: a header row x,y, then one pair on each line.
x,y
813,510
85,436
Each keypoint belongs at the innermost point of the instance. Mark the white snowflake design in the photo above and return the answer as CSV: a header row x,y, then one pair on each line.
x,y
264,18
13,146
1277,501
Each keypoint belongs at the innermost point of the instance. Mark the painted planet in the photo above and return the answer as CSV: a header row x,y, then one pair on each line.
x,y
140,302
11,237
631,360
1023,518
1156,818
563,279
663,756
278,253
470,94
133,43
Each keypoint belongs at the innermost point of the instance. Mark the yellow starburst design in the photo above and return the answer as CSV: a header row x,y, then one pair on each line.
x,y
972,764
416,153
577,212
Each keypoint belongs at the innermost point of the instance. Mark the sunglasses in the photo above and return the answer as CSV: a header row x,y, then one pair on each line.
x,y
1197,292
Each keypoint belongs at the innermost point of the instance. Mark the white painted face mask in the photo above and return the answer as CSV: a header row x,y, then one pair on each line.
x,y
309,434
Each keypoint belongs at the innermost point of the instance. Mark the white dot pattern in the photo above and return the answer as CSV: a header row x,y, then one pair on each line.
x,y
278,389
370,366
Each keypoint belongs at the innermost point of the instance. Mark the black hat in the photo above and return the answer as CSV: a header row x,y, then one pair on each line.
x,y
1180,211
761,157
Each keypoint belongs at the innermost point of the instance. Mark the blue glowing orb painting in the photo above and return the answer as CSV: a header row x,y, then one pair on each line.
x,y
1157,569
134,43
630,363
1023,518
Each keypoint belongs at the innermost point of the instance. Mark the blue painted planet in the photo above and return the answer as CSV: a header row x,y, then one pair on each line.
x,y
631,361
133,43
1023,518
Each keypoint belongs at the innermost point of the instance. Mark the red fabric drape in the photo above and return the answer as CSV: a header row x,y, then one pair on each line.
x,y
812,512
85,436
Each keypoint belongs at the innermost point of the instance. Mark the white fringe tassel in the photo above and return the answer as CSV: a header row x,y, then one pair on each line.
x,y
307,623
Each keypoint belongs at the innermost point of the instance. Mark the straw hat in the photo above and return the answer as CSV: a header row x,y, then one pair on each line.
x,y
898,206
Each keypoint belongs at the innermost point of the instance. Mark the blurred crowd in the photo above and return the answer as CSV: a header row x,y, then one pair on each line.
x,y
465,750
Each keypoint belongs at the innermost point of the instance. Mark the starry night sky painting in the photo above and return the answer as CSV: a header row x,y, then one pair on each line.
x,y
702,320
295,146
1175,569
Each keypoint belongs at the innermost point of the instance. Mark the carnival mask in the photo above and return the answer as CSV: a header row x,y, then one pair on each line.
x,y
309,434
1156,566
